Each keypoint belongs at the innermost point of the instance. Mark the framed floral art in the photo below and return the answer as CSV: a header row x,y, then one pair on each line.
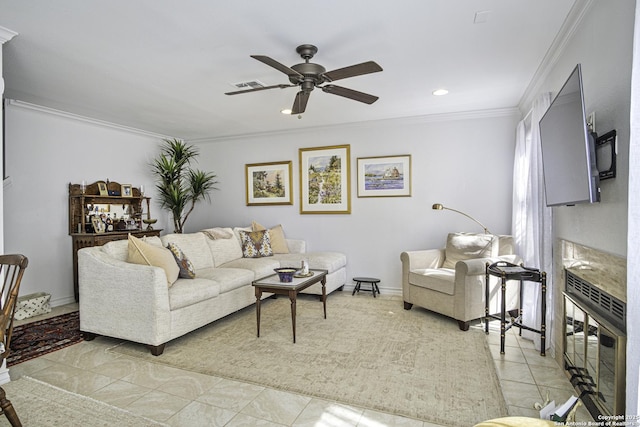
x,y
325,182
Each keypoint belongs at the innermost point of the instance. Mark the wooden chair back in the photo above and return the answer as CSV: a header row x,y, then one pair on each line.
x,y
11,270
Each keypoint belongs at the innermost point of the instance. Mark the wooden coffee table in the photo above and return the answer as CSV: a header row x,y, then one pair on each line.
x,y
272,284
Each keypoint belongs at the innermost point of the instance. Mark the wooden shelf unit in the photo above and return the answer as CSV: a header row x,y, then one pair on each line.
x,y
80,228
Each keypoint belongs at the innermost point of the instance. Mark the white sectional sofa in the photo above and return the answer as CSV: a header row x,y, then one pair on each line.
x,y
138,303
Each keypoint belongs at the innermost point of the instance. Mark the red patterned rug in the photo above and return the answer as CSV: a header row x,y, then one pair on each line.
x,y
35,339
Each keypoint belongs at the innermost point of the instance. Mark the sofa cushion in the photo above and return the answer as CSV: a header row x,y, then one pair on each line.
x,y
506,246
140,252
237,230
187,271
276,237
463,246
224,250
218,233
185,292
228,278
255,244
118,249
194,246
260,267
331,261
437,279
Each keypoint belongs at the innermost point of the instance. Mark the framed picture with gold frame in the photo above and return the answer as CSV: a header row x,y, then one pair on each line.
x,y
325,180
126,190
385,176
102,188
269,183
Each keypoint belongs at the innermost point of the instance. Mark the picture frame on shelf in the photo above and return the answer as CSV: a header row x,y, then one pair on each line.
x,y
126,190
102,188
99,227
384,176
325,180
269,183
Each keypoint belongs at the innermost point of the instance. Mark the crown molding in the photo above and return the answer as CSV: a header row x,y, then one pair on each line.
x,y
6,35
556,50
398,121
77,117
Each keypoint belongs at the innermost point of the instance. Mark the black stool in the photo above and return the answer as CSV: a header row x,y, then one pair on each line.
x,y
370,280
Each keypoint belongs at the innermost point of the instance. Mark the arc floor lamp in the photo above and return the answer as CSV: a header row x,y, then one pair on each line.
x,y
439,207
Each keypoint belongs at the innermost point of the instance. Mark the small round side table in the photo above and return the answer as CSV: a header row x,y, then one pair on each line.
x,y
368,280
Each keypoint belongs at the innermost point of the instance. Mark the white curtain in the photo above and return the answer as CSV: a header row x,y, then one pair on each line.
x,y
531,220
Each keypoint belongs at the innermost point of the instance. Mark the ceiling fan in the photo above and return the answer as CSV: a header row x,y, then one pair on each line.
x,y
309,76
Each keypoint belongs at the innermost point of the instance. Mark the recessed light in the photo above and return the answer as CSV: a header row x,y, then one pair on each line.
x,y
286,111
440,92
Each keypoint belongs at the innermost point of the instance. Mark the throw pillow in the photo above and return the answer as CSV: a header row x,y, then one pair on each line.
x,y
143,253
187,271
255,244
276,235
463,246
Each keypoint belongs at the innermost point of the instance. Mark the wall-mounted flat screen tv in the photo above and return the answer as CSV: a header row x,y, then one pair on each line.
x,y
568,148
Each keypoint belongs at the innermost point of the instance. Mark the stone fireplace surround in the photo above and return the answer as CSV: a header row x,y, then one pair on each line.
x,y
606,271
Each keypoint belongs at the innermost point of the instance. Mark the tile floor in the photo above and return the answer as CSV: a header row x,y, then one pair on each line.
x,y
183,398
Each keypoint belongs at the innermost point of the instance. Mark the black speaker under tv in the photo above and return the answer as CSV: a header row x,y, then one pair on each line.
x,y
568,148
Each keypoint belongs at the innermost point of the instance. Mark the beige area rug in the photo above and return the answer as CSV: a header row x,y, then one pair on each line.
x,y
43,405
368,352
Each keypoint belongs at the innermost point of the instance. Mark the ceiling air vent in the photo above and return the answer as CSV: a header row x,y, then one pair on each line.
x,y
253,84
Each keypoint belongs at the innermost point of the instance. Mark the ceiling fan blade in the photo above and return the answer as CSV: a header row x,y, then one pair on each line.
x,y
282,86
350,93
300,103
352,71
278,66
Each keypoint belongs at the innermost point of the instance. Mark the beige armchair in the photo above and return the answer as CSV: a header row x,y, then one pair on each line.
x,y
451,281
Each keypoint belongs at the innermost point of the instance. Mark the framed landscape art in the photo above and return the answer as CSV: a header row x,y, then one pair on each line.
x,y
269,183
325,182
387,176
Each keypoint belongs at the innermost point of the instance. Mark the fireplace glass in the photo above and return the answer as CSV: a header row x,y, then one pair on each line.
x,y
594,358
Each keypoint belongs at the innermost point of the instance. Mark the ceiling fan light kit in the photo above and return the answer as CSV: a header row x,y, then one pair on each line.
x,y
308,76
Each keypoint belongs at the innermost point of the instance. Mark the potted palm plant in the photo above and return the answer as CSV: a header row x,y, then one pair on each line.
x,y
179,186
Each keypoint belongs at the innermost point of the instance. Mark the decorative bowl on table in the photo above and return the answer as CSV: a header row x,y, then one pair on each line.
x,y
285,273
150,223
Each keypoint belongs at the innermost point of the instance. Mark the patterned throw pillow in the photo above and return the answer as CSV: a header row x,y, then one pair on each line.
x,y
186,268
276,235
255,244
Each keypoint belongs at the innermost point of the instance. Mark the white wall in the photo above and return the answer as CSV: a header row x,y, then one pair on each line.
x,y
45,152
606,70
606,58
633,260
463,161
5,35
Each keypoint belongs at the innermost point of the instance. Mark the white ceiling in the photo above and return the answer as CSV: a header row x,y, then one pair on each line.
x,y
164,65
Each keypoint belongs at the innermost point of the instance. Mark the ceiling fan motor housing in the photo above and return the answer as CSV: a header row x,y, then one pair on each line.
x,y
312,75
